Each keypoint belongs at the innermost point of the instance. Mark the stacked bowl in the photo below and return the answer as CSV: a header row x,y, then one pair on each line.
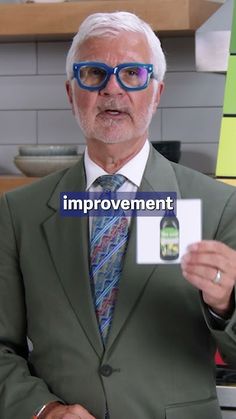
x,y
41,160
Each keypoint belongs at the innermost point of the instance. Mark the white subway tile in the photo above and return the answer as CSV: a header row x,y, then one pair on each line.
x,y
17,58
17,127
191,124
189,89
58,127
52,57
201,157
33,92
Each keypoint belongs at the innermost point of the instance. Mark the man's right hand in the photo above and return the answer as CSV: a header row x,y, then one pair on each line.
x,y
75,411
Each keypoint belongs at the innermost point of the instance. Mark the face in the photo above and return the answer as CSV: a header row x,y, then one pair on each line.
x,y
113,115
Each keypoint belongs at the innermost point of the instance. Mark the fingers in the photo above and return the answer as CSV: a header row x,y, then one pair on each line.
x,y
75,411
210,266
80,411
202,270
203,261
201,265
212,246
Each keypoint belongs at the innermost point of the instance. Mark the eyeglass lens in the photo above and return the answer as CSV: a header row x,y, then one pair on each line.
x,y
92,76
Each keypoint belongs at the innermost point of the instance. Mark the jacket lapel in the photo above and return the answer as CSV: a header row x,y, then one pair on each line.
x,y
159,176
67,239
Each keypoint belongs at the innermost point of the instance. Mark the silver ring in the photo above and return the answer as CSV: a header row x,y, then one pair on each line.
x,y
218,277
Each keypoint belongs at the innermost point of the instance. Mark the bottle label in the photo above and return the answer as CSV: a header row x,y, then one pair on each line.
x,y
169,242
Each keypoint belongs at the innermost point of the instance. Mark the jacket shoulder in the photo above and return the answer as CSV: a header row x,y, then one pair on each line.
x,y
218,203
43,183
194,184
35,194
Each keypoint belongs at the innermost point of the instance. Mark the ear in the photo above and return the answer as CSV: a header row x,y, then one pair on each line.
x,y
160,90
69,91
70,94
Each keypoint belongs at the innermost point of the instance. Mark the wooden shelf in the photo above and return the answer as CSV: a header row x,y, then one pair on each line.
x,y
11,182
229,181
37,21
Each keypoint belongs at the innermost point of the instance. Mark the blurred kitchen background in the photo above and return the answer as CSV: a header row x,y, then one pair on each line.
x,y
34,107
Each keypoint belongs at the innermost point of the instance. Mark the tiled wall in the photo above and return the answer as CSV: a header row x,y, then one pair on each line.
x,y
34,107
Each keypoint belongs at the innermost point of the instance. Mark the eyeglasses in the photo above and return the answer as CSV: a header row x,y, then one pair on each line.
x,y
92,75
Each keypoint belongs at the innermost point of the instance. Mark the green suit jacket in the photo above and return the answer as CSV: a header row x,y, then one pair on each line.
x,y
159,359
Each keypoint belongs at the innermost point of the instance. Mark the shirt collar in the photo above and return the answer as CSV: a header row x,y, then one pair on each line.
x,y
132,170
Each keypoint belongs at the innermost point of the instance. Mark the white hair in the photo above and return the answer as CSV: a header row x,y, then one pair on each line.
x,y
111,24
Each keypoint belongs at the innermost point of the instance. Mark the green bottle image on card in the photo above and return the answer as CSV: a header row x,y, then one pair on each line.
x,y
169,237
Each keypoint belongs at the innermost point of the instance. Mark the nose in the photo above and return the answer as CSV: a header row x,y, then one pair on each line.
x,y
112,87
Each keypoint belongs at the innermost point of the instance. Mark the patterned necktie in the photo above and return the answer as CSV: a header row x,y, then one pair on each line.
x,y
107,248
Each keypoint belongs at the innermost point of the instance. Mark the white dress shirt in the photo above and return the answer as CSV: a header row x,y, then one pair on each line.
x,y
132,170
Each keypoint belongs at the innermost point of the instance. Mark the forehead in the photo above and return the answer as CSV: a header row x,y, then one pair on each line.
x,y
124,47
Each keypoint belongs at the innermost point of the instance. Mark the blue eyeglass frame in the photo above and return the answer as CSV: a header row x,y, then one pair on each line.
x,y
112,70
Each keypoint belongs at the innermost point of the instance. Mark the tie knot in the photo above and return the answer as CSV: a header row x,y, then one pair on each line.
x,y
110,183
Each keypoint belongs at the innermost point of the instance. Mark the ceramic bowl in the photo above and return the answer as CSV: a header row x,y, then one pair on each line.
x,y
38,166
48,150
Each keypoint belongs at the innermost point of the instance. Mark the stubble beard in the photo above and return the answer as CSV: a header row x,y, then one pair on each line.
x,y
110,131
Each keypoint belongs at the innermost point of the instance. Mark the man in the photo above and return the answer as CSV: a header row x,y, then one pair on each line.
x,y
157,359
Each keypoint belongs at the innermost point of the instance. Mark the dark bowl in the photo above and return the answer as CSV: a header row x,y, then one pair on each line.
x,y
169,149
